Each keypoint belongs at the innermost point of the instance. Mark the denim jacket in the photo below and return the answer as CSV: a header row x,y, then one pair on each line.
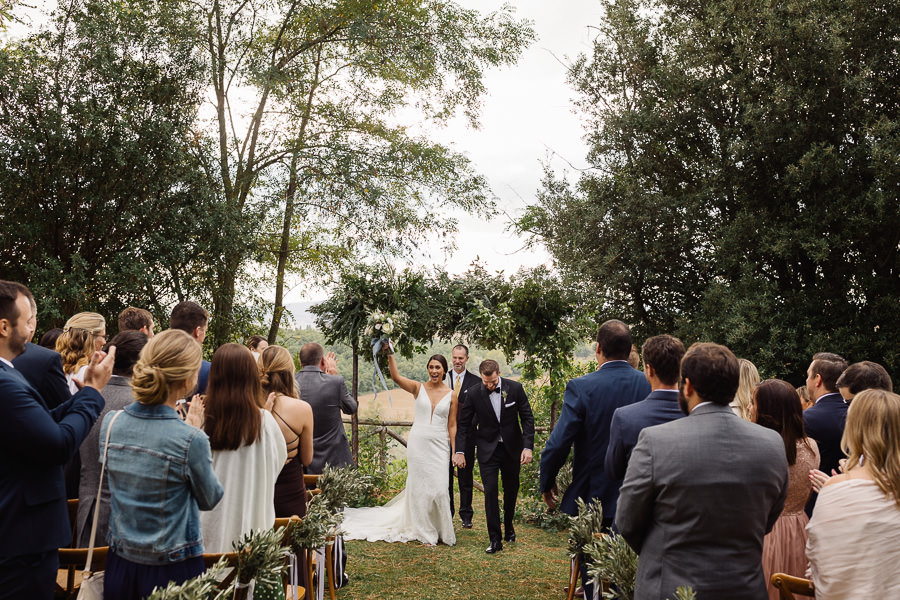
x,y
160,477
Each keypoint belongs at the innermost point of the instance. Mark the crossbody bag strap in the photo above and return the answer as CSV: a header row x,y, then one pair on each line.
x,y
90,556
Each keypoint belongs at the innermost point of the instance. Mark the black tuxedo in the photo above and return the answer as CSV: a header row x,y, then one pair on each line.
x,y
467,381
515,427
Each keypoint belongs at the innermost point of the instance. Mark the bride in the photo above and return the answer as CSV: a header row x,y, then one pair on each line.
x,y
422,510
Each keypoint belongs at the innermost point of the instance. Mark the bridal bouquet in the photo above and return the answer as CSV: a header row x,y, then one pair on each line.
x,y
383,325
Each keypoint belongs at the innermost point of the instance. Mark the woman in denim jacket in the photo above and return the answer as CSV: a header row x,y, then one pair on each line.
x,y
160,474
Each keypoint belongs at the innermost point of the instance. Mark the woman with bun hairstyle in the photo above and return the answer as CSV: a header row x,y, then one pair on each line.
x,y
295,419
248,449
160,474
83,334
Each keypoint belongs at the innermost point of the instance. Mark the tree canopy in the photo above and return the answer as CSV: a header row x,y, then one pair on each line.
x,y
744,178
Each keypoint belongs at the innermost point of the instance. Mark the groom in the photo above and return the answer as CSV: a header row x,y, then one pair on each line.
x,y
504,434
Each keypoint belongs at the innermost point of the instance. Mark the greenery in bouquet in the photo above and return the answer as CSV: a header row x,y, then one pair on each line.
x,y
316,527
342,486
611,559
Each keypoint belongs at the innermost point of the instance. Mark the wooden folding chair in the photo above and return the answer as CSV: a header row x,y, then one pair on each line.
x,y
574,567
788,585
72,505
71,566
231,558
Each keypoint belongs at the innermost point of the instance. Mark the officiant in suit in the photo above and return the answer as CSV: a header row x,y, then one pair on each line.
x,y
497,414
460,379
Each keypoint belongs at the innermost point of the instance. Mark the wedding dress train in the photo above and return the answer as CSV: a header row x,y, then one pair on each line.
x,y
422,510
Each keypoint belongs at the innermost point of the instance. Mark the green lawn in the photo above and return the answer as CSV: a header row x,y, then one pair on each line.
x,y
535,566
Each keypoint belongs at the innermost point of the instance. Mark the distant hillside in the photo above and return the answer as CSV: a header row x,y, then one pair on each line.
x,y
299,317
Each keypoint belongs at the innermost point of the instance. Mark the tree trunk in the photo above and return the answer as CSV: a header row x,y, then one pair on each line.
x,y
221,321
278,309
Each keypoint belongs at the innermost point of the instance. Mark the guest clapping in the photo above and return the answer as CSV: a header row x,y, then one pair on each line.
x,y
854,533
160,474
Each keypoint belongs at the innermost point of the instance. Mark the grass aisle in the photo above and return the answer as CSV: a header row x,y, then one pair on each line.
x,y
535,566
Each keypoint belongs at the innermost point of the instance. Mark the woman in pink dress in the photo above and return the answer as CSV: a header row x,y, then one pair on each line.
x,y
776,405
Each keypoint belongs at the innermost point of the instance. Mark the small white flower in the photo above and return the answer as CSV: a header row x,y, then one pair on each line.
x,y
378,326
388,328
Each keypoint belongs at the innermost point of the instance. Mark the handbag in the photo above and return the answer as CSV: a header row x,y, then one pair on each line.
x,y
92,583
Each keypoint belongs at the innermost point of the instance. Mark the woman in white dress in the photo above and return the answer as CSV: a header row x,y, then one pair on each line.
x,y
422,510
854,533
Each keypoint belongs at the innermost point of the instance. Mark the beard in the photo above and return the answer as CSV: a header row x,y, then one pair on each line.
x,y
17,343
683,402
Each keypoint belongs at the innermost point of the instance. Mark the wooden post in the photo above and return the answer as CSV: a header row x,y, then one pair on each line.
x,y
354,420
382,450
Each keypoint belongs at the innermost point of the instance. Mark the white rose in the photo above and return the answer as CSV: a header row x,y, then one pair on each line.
x,y
378,326
388,328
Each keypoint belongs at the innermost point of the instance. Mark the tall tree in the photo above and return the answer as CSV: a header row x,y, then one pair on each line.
x,y
322,84
104,202
745,176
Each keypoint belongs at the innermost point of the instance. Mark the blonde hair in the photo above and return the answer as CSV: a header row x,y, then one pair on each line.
x,y
749,378
168,360
76,343
276,370
872,433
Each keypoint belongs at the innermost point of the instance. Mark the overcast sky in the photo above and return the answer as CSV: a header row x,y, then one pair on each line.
x,y
527,120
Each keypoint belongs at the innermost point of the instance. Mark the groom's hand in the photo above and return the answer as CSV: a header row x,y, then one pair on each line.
x,y
551,497
526,456
459,460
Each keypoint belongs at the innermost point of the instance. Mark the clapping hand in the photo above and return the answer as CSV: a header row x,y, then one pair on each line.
x,y
195,412
330,363
100,369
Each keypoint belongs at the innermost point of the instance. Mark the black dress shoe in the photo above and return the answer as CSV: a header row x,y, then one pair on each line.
x,y
467,524
494,547
509,537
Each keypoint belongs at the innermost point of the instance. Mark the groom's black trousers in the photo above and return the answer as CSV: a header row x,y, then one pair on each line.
x,y
507,467
465,483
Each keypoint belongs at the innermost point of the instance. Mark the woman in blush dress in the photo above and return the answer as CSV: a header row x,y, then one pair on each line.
x,y
422,510
854,533
776,405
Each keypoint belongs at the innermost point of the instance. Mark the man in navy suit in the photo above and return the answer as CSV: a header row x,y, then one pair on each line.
x,y
662,361
42,368
460,379
35,443
824,421
588,406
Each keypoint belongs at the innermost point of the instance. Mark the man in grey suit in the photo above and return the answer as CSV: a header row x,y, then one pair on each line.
x,y
700,493
321,386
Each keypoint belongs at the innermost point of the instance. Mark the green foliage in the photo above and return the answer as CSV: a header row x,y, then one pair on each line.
x,y
314,529
342,487
744,186
260,556
202,587
584,525
96,137
683,592
531,506
612,559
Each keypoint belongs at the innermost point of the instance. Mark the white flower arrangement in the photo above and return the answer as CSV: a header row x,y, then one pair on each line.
x,y
383,325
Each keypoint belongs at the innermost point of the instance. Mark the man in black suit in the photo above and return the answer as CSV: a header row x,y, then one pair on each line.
x,y
459,378
824,421
498,416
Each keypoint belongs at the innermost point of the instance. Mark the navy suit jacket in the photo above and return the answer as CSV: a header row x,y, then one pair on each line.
x,y
661,406
824,423
588,407
42,368
35,443
203,377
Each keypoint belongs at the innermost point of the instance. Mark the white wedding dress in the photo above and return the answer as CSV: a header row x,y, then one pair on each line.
x,y
422,510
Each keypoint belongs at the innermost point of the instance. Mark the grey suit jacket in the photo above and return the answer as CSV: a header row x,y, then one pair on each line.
x,y
699,495
117,395
328,397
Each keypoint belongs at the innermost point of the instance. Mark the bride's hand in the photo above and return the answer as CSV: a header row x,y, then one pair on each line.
x,y
388,347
